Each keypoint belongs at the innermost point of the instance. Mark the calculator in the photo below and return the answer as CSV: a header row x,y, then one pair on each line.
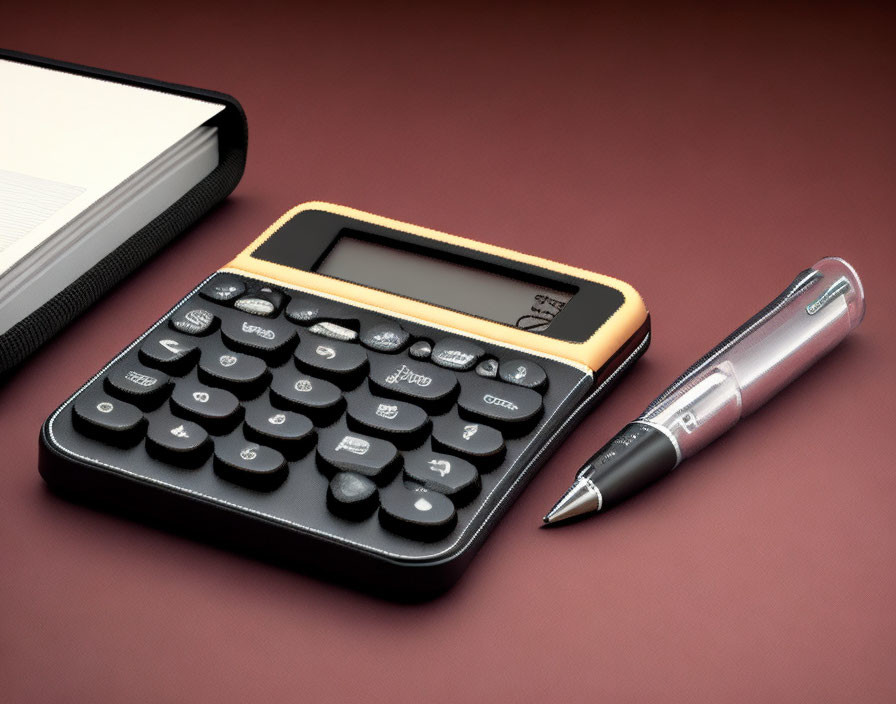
x,y
353,396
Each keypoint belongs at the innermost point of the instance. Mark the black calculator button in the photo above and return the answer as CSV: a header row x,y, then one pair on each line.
x,y
334,331
522,372
419,382
488,368
456,353
145,388
320,400
403,423
272,340
223,289
386,337
422,349
512,409
108,419
341,362
242,374
265,302
169,351
247,463
216,410
177,441
475,442
352,496
306,311
455,478
342,450
194,321
290,433
418,514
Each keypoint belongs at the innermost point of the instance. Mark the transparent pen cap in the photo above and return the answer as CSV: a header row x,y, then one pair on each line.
x,y
835,269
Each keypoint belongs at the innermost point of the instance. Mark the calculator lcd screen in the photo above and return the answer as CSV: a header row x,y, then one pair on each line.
x,y
447,284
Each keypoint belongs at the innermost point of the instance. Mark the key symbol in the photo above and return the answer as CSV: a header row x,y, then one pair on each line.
x,y
422,504
249,453
278,419
470,431
303,385
179,432
440,466
173,346
325,352
227,360
104,407
200,396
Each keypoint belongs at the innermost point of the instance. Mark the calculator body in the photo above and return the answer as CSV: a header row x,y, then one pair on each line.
x,y
353,396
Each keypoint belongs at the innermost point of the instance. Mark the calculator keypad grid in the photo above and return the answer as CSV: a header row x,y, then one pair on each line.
x,y
404,425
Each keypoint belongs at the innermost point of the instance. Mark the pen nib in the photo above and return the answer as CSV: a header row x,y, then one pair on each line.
x,y
582,497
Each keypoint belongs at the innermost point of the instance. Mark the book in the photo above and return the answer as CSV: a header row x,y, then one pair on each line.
x,y
85,163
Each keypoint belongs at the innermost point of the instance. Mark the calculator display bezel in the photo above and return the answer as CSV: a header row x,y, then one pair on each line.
x,y
597,321
306,240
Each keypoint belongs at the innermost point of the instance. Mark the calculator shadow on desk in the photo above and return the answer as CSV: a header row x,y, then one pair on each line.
x,y
311,403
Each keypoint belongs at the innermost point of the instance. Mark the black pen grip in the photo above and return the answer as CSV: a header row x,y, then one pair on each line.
x,y
636,457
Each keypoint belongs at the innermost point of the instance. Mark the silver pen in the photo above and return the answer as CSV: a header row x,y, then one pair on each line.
x,y
813,314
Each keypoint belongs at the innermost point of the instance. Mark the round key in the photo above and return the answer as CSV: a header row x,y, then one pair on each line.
x,y
223,289
511,409
402,423
169,352
107,419
320,400
145,388
271,340
340,449
249,464
421,383
290,433
193,321
456,353
418,514
352,496
477,443
216,410
422,349
177,441
488,368
455,478
522,372
243,375
343,363
387,337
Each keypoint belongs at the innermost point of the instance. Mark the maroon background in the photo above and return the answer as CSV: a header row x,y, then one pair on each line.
x,y
704,155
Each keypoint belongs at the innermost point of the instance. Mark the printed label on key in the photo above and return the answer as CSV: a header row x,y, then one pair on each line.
x,y
422,504
179,432
249,453
104,407
325,352
404,373
303,385
495,401
277,419
227,360
140,379
173,346
199,317
384,410
470,431
260,331
200,396
455,357
443,467
354,445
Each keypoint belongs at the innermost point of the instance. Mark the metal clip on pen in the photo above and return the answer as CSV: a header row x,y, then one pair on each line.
x,y
808,319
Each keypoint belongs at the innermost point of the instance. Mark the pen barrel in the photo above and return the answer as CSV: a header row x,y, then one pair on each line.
x,y
761,357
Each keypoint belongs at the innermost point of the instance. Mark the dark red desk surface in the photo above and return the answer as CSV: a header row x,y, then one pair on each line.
x,y
705,156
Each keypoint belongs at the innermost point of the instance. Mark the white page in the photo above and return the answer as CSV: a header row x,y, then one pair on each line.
x,y
67,140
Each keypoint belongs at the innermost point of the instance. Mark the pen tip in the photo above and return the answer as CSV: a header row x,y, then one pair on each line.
x,y
579,499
